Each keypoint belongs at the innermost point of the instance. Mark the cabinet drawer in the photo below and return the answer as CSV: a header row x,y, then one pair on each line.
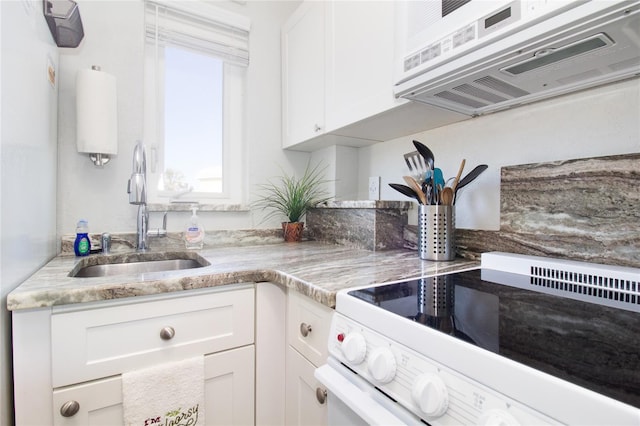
x,y
116,337
306,316
228,394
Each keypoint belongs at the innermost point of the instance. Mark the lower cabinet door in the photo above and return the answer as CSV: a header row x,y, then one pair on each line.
x,y
306,398
229,395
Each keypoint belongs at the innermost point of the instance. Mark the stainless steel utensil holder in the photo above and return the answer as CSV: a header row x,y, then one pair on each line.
x,y
436,231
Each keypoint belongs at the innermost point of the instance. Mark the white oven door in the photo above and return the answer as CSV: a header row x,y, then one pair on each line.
x,y
354,401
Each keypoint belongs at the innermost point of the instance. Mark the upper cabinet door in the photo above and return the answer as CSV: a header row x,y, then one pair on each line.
x,y
360,53
303,75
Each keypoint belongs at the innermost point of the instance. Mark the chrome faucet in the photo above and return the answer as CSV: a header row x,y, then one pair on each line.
x,y
137,189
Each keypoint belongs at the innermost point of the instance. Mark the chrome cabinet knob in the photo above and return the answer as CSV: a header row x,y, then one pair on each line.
x,y
305,329
167,333
321,395
317,128
69,408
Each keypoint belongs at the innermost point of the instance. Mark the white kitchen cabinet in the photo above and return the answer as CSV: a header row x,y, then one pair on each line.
x,y
308,325
271,341
303,50
336,73
304,405
359,61
81,350
228,394
337,78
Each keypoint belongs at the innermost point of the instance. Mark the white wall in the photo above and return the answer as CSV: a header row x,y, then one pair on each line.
x,y
114,40
601,121
597,122
340,167
28,157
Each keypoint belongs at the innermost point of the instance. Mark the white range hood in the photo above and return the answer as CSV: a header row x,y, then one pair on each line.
x,y
595,43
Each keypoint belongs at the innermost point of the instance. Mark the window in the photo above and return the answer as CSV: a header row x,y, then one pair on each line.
x,y
195,61
192,115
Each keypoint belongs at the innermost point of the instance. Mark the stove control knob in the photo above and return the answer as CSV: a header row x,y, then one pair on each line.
x,y
431,395
382,364
354,348
497,418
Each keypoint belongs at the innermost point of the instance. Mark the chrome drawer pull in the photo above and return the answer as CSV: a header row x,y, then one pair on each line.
x,y
305,329
321,395
69,408
167,333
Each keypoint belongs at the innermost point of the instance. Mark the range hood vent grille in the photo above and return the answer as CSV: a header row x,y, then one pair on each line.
x,y
460,99
482,92
479,93
501,86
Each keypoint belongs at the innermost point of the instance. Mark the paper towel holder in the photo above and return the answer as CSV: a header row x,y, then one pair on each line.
x,y
96,114
65,24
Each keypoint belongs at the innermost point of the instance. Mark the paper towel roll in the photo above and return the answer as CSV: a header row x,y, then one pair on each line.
x,y
97,114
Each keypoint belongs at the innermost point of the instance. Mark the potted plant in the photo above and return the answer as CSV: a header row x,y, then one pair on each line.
x,y
292,197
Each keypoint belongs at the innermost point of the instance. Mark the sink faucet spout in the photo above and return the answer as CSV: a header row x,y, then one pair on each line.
x,y
137,189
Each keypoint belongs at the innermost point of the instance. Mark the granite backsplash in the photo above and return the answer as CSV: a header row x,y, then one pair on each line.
x,y
372,225
585,209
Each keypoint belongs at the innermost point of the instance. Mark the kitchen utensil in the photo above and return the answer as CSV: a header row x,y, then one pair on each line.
x,y
470,177
405,190
413,184
457,179
438,177
416,165
429,192
427,187
438,183
426,153
446,196
429,159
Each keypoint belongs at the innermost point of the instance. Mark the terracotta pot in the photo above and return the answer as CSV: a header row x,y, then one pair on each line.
x,y
292,231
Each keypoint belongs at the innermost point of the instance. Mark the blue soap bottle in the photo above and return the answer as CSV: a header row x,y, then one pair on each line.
x,y
82,245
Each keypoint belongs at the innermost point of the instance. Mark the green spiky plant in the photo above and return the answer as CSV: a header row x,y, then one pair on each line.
x,y
291,196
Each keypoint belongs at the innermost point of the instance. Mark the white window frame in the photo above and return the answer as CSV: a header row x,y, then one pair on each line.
x,y
234,77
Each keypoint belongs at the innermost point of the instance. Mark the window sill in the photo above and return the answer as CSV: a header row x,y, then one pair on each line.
x,y
186,207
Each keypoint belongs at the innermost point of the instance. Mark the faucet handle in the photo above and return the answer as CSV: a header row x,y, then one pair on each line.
x,y
159,232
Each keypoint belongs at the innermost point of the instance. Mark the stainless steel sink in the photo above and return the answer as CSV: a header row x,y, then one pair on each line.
x,y
136,263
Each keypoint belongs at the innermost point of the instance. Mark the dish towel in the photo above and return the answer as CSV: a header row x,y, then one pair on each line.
x,y
170,394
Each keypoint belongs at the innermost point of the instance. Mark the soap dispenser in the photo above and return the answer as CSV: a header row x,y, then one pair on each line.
x,y
82,244
194,234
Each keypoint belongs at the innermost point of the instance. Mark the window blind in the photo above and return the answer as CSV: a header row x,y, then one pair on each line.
x,y
198,26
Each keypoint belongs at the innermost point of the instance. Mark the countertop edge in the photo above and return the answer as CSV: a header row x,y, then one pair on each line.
x,y
317,271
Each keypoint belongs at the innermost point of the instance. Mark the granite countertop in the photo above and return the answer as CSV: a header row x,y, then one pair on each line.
x,y
315,269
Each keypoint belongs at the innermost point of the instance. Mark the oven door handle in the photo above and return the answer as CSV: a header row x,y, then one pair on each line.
x,y
357,399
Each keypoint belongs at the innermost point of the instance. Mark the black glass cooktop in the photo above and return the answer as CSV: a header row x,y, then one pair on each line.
x,y
590,338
